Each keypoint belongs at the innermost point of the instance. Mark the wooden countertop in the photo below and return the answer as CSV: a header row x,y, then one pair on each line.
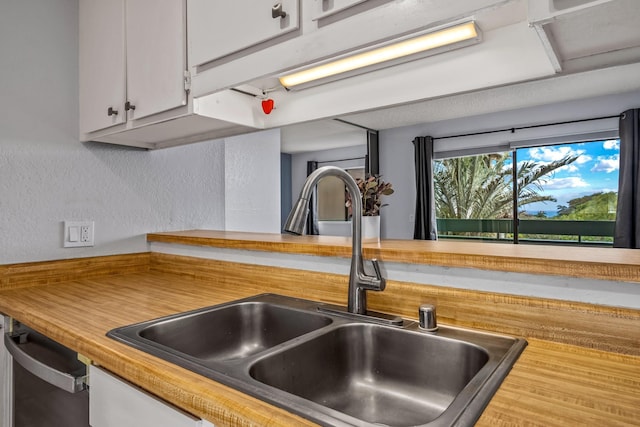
x,y
552,384
78,314
584,262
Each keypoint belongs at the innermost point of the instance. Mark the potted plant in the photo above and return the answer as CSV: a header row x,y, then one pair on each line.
x,y
372,188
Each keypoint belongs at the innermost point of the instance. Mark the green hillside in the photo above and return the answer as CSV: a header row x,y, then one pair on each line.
x,y
597,206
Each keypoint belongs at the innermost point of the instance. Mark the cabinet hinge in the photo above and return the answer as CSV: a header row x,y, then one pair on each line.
x,y
187,80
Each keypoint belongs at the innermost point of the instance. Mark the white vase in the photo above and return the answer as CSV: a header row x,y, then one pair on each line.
x,y
371,228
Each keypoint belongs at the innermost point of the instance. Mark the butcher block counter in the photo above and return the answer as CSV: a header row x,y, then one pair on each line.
x,y
554,383
585,262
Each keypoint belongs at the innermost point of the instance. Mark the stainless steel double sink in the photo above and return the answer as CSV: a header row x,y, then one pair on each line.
x,y
334,369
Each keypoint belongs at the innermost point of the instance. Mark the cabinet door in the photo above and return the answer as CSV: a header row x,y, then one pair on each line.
x,y
324,8
219,28
115,403
156,55
101,64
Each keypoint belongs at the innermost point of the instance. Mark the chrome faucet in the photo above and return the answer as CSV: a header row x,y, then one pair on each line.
x,y
359,280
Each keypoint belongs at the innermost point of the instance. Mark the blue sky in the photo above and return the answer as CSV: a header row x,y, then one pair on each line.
x,y
594,171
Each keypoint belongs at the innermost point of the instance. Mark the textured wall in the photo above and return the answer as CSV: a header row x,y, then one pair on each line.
x,y
47,176
252,182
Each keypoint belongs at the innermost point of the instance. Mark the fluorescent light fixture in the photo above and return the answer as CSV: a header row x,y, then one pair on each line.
x,y
393,53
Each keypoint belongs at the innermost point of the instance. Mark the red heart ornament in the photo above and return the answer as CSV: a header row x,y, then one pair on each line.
x,y
267,105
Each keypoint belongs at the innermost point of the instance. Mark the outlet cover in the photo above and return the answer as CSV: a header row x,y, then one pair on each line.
x,y
78,234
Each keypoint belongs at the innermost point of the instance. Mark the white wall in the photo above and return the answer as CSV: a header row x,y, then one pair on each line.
x,y
592,291
48,176
396,149
252,182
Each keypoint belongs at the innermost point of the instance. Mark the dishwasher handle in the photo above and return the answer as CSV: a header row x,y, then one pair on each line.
x,y
62,380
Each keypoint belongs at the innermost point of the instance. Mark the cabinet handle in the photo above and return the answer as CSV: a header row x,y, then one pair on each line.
x,y
129,106
112,112
277,12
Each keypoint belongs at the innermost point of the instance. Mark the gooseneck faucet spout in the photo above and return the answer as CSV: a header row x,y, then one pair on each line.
x,y
359,280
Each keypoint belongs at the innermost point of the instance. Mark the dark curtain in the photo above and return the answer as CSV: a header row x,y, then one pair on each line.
x,y
372,160
425,225
286,196
627,229
312,218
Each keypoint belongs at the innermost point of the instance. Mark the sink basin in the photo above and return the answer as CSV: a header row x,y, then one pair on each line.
x,y
227,332
375,373
333,368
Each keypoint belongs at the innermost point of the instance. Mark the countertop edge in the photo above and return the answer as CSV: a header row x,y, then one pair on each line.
x,y
581,262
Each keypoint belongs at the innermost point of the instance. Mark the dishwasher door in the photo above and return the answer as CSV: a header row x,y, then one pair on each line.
x,y
48,382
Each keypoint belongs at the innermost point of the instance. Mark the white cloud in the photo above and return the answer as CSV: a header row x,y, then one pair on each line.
x,y
607,164
571,168
583,158
550,154
612,144
569,182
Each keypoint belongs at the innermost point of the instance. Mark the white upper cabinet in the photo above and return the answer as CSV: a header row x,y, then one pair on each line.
x,y
237,43
220,28
156,56
102,64
324,8
135,81
132,60
146,82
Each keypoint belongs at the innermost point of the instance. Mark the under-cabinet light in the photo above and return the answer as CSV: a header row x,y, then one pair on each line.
x,y
390,54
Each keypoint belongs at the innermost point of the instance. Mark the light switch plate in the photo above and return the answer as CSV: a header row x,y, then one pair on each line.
x,y
78,234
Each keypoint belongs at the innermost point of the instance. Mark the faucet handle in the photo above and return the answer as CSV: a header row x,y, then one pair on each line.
x,y
377,283
376,268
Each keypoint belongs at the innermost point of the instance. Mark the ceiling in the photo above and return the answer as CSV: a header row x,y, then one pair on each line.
x,y
320,135
594,46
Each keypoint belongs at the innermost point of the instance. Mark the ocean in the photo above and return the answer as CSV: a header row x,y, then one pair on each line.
x,y
549,214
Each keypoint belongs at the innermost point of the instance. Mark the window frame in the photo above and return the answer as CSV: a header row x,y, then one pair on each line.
x,y
512,147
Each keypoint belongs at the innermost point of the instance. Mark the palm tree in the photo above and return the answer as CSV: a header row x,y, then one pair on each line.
x,y
481,186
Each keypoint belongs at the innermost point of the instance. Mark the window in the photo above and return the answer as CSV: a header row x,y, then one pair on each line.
x,y
564,193
331,196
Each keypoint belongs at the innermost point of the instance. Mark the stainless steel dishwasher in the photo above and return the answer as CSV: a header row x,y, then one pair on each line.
x,y
48,381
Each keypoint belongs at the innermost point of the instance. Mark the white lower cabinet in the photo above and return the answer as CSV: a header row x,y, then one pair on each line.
x,y
6,378
116,403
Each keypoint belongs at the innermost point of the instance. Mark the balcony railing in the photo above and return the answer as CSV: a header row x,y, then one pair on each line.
x,y
529,230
